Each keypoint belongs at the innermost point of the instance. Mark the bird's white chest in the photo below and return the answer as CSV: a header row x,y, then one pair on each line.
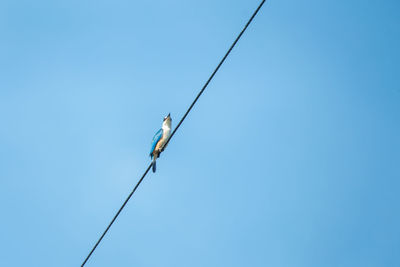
x,y
165,136
166,132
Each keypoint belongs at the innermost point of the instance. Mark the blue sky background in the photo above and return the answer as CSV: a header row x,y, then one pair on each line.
x,y
290,158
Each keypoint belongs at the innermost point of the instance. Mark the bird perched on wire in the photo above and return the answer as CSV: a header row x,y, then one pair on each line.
x,y
159,140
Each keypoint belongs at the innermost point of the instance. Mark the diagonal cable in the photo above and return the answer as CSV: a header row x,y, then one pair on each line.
x,y
116,215
215,71
176,128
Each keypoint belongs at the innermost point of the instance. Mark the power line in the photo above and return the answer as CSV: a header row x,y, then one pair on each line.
x,y
116,215
176,128
216,69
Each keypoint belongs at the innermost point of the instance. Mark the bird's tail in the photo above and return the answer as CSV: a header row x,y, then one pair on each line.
x,y
154,164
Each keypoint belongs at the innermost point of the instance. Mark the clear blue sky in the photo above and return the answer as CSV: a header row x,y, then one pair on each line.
x,y
290,158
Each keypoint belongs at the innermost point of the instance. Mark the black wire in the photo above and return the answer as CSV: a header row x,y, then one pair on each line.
x,y
176,128
116,215
216,69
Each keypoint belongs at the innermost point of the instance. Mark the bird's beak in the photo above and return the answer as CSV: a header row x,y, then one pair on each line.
x,y
169,115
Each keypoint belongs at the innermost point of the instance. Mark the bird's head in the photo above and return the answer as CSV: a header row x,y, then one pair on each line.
x,y
167,120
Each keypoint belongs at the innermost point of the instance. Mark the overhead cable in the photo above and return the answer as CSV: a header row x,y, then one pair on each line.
x,y
176,128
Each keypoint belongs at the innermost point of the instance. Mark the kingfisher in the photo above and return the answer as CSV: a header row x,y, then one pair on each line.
x,y
159,140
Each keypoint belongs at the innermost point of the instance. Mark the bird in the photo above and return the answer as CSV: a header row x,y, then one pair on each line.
x,y
160,139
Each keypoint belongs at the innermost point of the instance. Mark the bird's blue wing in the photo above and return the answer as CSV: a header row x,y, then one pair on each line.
x,y
155,140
